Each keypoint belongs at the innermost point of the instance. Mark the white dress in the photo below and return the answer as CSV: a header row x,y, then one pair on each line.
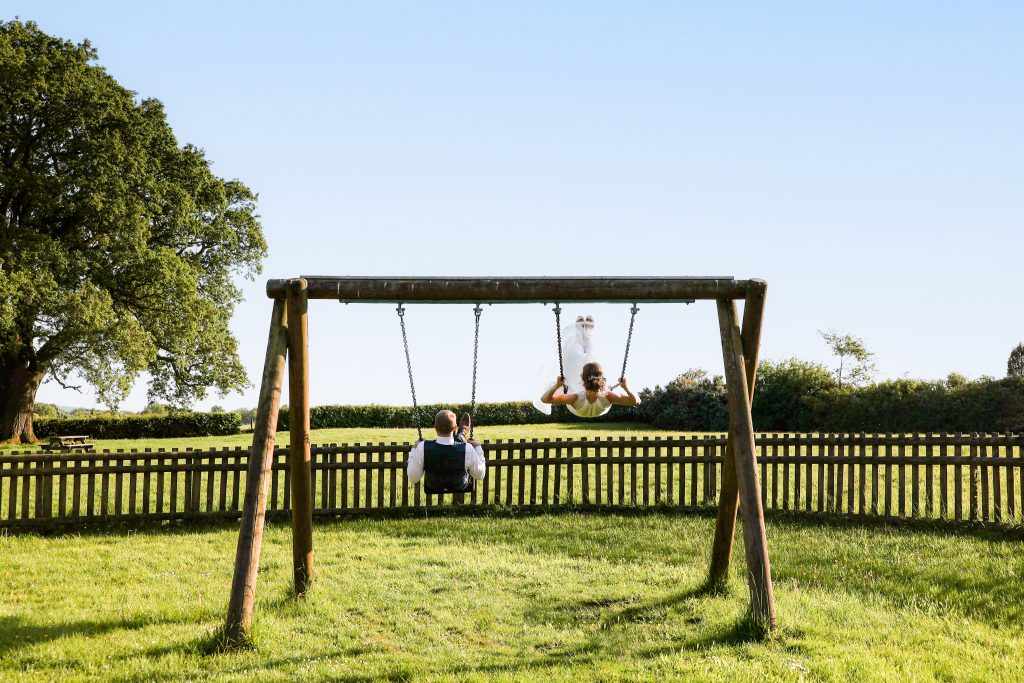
x,y
578,349
584,408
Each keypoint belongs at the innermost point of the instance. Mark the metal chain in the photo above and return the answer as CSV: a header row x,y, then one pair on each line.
x,y
558,336
629,339
476,345
408,365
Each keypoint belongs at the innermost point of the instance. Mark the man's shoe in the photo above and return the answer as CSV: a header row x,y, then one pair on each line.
x,y
464,425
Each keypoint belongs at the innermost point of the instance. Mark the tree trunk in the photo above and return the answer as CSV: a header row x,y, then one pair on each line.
x,y
19,382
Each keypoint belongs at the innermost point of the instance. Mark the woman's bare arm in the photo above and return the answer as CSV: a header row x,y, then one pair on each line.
x,y
630,399
560,400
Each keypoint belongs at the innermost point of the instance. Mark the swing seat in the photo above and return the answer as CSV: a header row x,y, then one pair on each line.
x,y
434,487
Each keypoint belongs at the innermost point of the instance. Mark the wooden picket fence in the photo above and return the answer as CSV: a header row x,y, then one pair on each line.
x,y
955,477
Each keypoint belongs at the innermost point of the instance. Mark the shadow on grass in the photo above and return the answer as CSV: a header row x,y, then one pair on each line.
x,y
286,599
275,669
923,566
656,609
106,527
595,651
596,610
17,633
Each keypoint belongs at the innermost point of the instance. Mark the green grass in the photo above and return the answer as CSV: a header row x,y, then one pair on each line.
x,y
372,435
498,597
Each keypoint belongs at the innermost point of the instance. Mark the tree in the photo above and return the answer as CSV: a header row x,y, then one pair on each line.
x,y
1015,364
955,380
47,410
851,352
118,247
247,416
156,408
788,391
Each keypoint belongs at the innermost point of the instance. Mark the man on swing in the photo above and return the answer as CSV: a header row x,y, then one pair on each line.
x,y
453,462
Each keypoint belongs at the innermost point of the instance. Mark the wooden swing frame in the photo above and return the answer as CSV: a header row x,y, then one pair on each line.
x,y
288,340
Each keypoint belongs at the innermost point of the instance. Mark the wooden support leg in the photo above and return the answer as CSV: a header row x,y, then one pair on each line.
x,y
728,499
299,452
257,481
741,429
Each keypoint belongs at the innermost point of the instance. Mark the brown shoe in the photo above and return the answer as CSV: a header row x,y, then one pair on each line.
x,y
464,425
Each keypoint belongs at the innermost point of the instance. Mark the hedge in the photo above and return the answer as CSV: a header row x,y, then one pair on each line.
x,y
507,413
142,426
795,399
906,405
691,402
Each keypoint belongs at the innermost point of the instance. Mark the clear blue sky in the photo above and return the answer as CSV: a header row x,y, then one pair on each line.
x,y
863,158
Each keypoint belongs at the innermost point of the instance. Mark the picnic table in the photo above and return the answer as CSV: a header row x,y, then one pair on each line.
x,y
69,443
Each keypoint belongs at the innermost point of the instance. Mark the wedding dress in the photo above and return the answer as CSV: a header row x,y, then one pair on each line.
x,y
578,349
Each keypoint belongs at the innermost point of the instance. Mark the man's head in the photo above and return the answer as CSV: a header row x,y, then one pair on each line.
x,y
444,423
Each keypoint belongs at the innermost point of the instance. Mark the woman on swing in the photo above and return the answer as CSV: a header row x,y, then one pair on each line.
x,y
594,399
585,394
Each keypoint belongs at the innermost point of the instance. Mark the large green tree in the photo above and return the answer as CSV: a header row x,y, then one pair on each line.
x,y
118,246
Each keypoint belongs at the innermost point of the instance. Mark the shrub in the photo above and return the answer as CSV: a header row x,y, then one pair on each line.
x,y
908,405
507,413
795,395
691,402
787,393
179,424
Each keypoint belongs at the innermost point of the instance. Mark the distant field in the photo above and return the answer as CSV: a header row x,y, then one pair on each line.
x,y
498,597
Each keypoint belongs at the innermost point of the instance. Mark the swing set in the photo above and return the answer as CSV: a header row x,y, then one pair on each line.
x,y
288,341
477,311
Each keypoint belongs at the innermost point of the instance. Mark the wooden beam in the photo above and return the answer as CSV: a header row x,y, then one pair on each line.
x,y
741,429
515,289
728,500
257,482
299,453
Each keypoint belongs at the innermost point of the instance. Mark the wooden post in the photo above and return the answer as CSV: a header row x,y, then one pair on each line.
x,y
741,428
299,453
261,458
728,501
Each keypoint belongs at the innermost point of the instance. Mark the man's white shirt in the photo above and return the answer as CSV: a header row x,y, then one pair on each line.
x,y
475,463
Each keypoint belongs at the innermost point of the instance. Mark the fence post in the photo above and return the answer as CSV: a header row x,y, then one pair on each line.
x,y
975,478
196,483
43,483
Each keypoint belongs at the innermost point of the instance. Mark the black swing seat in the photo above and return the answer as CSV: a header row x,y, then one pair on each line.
x,y
436,488
444,469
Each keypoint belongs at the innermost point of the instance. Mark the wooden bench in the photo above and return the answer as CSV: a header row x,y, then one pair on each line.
x,y
69,444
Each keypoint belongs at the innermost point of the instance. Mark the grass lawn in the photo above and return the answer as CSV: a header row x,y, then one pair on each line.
x,y
375,435
498,597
